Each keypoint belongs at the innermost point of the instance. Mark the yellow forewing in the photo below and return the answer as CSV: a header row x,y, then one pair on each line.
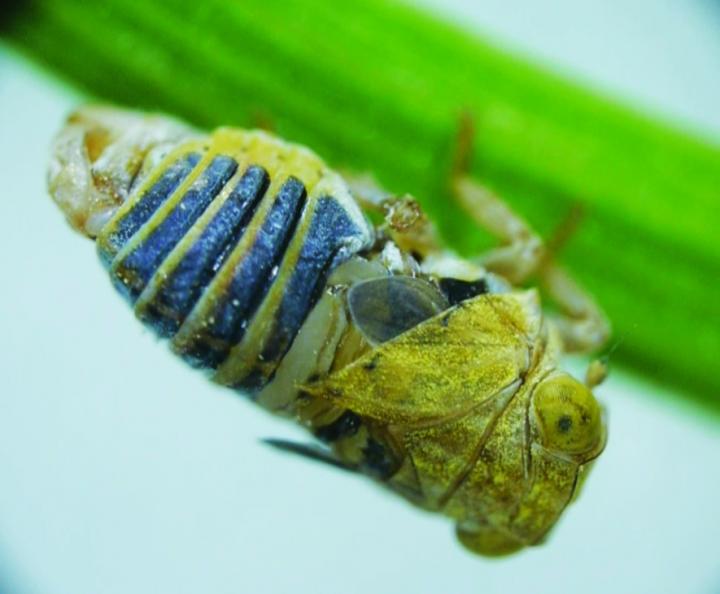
x,y
443,367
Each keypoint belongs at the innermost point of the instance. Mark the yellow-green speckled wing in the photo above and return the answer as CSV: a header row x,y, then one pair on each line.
x,y
445,366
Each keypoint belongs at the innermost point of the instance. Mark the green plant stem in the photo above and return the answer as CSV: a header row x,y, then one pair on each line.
x,y
378,86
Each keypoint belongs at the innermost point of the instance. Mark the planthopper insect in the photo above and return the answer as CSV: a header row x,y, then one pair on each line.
x,y
436,376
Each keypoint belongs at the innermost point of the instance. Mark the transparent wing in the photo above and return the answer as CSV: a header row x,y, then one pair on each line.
x,y
383,308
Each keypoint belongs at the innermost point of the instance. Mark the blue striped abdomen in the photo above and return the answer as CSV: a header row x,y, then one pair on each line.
x,y
226,247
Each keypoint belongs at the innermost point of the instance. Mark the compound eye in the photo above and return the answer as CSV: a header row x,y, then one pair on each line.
x,y
569,417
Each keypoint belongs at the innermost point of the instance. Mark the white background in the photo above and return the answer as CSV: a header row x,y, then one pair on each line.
x,y
123,472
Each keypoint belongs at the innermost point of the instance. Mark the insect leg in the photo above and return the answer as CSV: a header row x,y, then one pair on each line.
x,y
405,222
522,249
366,190
262,120
581,323
487,540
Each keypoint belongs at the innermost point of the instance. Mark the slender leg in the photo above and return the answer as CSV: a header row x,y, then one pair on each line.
x,y
366,190
523,250
405,222
581,323
262,120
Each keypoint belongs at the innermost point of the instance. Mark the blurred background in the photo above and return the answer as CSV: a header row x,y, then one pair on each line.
x,y
144,478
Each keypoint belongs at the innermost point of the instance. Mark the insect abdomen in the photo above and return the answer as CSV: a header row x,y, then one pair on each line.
x,y
226,246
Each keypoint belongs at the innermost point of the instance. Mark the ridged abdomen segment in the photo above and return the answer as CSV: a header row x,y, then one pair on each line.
x,y
129,221
164,305
226,247
221,319
141,256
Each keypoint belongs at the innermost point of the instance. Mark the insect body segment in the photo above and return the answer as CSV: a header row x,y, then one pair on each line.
x,y
167,301
429,373
231,236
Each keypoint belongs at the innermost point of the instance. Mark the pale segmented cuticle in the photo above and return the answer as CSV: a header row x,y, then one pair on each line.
x,y
100,155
